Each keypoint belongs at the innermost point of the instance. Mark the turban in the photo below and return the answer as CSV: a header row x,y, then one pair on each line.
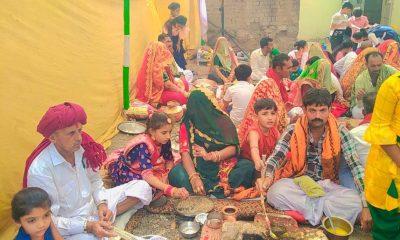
x,y
59,117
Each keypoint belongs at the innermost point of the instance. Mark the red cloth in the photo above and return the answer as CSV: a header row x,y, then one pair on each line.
x,y
272,74
367,119
338,109
266,141
59,117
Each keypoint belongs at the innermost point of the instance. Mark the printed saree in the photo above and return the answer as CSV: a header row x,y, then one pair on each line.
x,y
390,51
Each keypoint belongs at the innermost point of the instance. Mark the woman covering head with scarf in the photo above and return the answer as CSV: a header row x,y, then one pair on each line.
x,y
224,61
209,146
390,51
318,75
155,81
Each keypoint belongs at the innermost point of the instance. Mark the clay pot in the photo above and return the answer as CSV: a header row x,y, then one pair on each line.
x,y
230,213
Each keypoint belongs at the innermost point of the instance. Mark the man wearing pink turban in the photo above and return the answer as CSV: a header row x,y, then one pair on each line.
x,y
65,164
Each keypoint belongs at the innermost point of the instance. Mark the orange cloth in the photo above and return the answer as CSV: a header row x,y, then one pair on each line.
x,y
245,193
296,165
390,51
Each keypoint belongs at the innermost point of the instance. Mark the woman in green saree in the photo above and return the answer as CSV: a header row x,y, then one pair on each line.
x,y
224,61
209,147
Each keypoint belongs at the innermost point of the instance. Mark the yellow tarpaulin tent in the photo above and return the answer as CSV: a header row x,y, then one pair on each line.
x,y
56,51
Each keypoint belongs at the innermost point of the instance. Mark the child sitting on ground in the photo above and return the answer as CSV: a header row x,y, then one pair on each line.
x,y
239,94
31,209
149,157
261,138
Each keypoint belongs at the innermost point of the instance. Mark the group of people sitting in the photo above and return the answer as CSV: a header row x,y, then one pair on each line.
x,y
270,128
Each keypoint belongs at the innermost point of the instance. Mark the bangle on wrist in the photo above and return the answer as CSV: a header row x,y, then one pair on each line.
x,y
169,190
193,175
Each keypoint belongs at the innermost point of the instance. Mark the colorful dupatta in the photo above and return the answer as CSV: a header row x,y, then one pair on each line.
x,y
225,54
150,81
359,65
266,88
317,75
390,51
211,128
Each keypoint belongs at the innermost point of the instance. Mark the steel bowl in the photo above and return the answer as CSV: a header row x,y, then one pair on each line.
x,y
201,218
189,229
339,223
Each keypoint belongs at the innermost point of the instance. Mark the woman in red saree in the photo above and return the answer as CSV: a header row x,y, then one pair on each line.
x,y
155,81
390,50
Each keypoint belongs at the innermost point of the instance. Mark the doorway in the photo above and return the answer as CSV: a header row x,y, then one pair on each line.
x,y
373,10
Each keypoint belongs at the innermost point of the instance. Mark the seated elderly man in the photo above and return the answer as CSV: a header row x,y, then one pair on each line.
x,y
65,165
370,80
305,166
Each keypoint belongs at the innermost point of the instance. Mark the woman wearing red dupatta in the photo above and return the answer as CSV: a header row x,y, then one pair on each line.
x,y
390,51
155,81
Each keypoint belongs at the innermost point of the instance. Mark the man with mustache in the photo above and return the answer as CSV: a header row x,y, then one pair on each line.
x,y
304,167
370,80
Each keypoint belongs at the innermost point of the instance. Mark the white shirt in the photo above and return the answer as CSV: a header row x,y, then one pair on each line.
x,y
361,145
259,64
304,57
338,18
74,191
239,94
343,64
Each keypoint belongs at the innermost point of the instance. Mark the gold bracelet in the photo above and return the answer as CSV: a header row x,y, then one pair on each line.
x,y
192,175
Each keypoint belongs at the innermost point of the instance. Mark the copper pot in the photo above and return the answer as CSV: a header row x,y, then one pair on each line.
x,y
230,213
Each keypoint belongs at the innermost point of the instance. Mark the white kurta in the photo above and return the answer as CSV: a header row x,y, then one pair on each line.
x,y
259,65
76,191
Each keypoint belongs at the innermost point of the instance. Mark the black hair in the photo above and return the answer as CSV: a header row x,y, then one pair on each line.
x,y
373,54
343,45
300,44
361,34
279,60
181,20
173,6
242,72
264,104
295,63
347,5
157,120
369,102
319,97
162,37
265,41
357,12
312,60
26,200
